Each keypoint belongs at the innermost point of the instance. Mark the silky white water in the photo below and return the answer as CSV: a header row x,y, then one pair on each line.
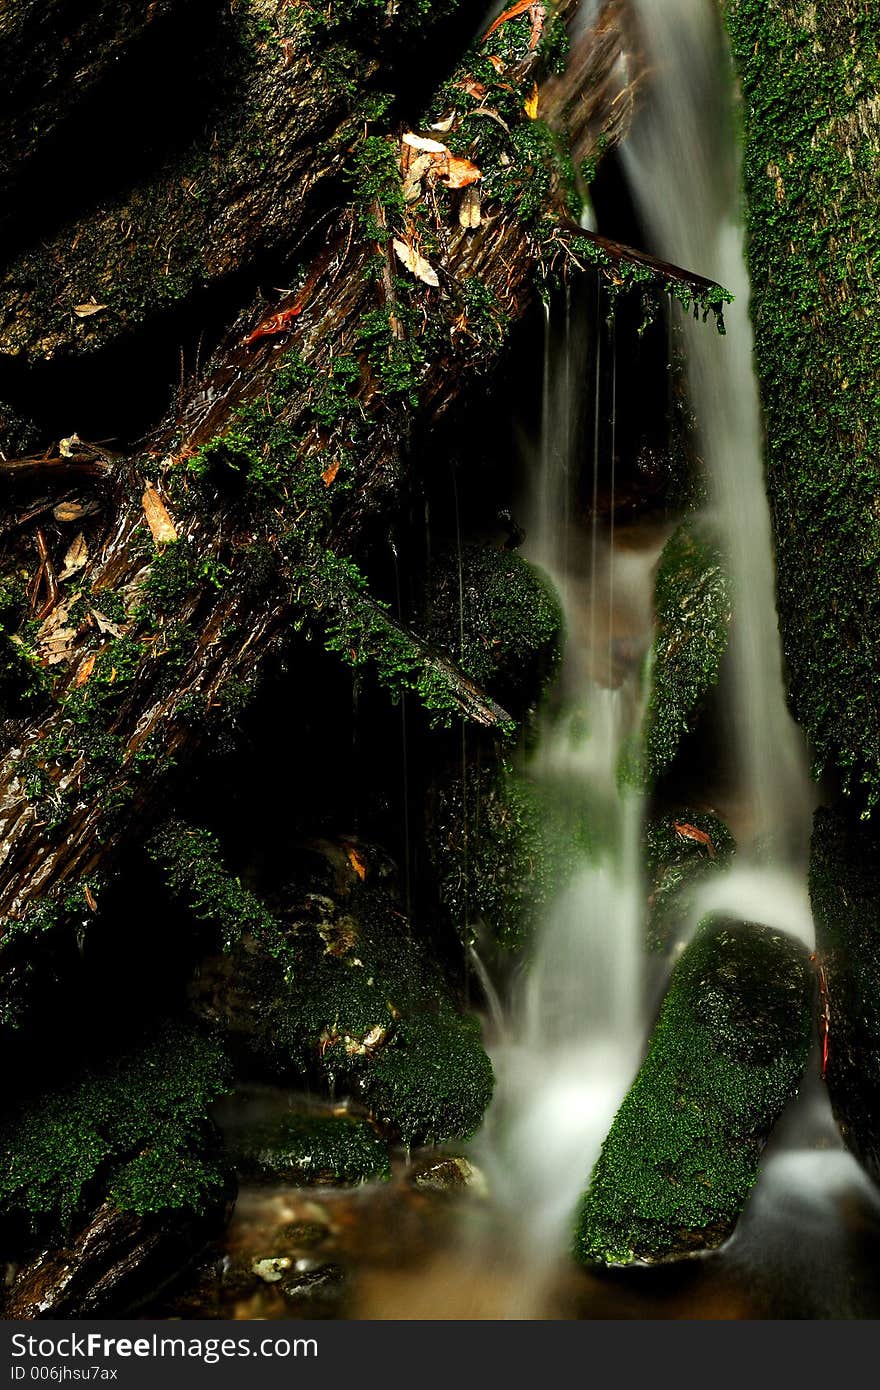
x,y
573,1031
682,164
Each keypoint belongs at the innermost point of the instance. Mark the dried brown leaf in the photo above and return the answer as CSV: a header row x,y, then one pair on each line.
x,y
158,518
458,173
420,142
76,556
330,472
85,311
415,262
469,213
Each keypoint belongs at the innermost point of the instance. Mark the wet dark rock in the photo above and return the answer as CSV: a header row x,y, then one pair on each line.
x,y
725,1058
115,1262
845,893
451,1174
312,1288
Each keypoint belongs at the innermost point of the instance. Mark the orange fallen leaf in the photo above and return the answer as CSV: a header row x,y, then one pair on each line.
x,y
90,898
498,63
473,89
519,8
692,832
458,173
276,323
76,556
530,105
357,863
85,670
330,473
158,518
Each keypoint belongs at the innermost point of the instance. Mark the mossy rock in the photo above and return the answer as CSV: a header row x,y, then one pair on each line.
x,y
809,79
499,618
679,863
845,893
692,612
134,1128
501,849
306,1148
332,983
724,1060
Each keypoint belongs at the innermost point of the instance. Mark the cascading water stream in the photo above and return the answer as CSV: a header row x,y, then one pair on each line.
x,y
572,1039
576,1029
683,169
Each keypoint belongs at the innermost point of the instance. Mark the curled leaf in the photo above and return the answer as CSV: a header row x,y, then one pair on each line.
x,y
158,518
459,173
519,8
330,472
415,262
85,311
530,105
75,557
85,670
357,863
420,142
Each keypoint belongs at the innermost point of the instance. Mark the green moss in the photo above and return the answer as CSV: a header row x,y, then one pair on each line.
x,y
192,866
501,848
499,618
810,75
311,1149
374,176
32,944
337,987
620,276
678,865
692,609
23,680
724,1059
135,1127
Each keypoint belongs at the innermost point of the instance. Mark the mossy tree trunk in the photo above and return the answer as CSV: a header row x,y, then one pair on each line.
x,y
247,515
811,78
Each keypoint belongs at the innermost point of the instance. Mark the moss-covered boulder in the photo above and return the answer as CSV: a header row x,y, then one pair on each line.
x,y
331,983
500,620
682,850
310,1148
725,1057
845,893
134,1129
500,848
692,612
810,74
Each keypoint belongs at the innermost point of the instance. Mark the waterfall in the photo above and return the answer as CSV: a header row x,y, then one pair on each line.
x,y
574,1030
682,164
